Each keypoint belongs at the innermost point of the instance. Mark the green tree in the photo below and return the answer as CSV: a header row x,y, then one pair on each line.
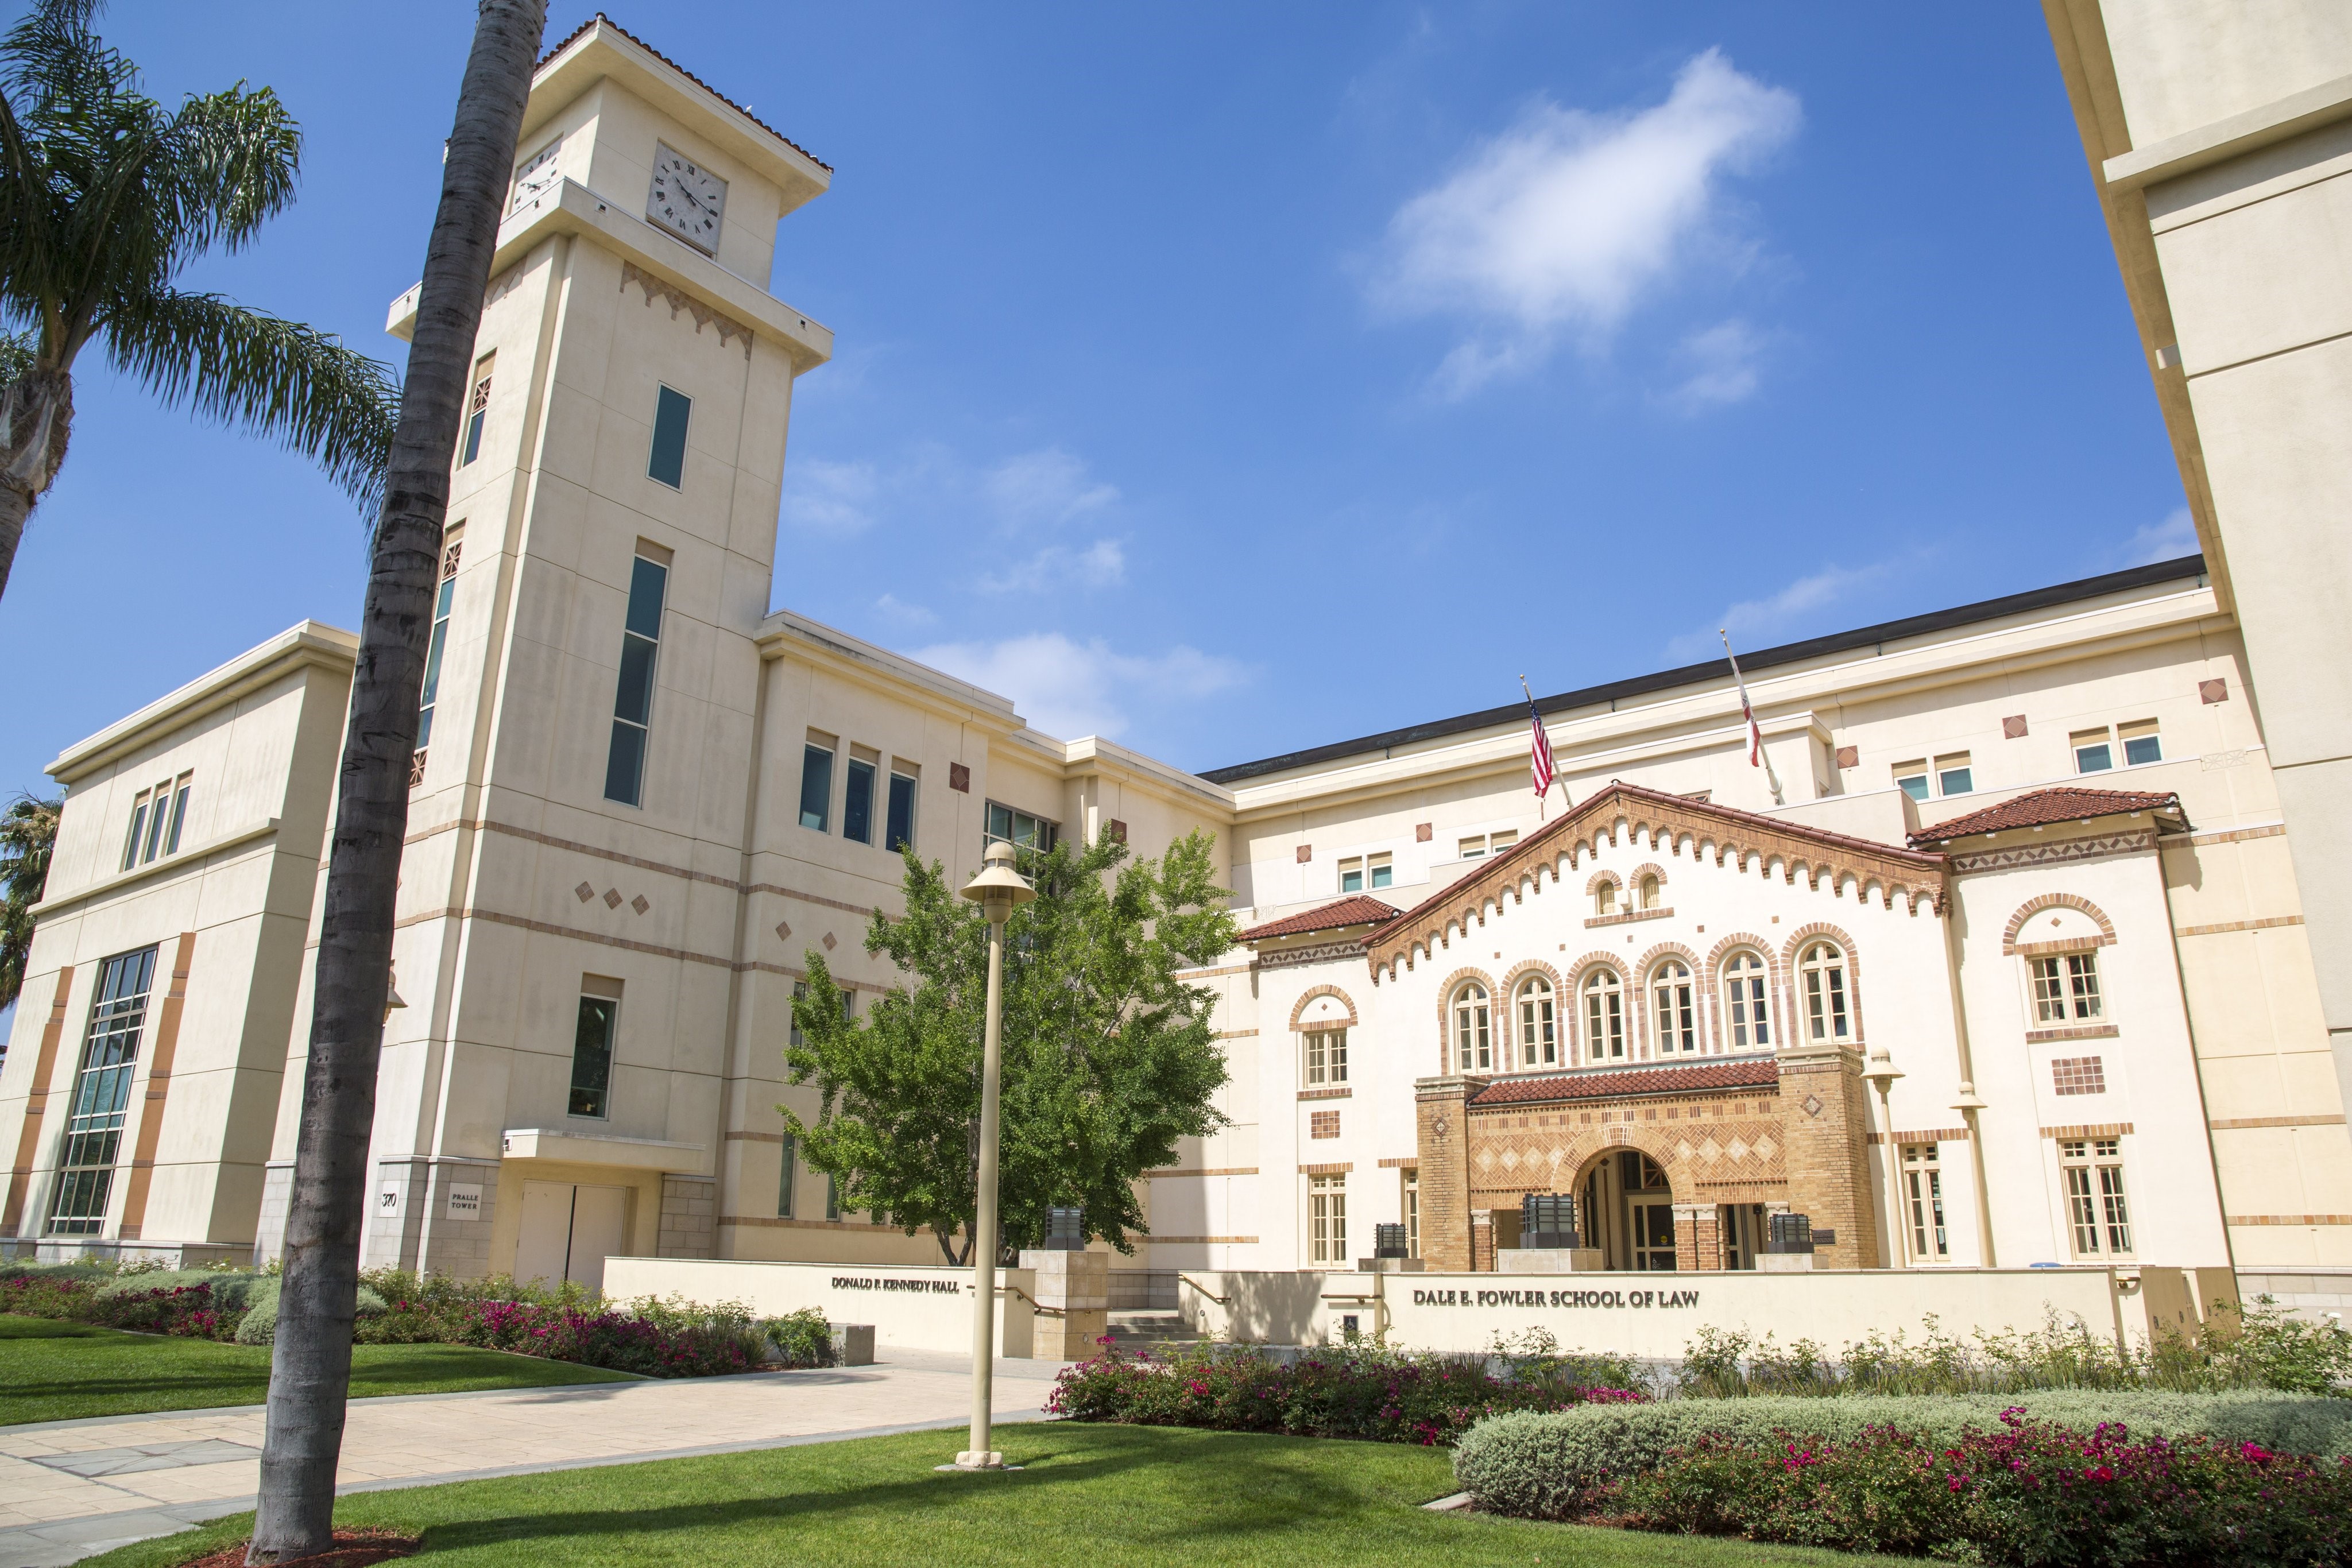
x,y
28,831
1109,1054
106,195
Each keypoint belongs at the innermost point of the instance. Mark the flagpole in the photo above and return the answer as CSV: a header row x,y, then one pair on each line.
x,y
1747,708
1566,799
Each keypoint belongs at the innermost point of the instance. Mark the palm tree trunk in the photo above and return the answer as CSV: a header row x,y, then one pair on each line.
x,y
309,1375
36,418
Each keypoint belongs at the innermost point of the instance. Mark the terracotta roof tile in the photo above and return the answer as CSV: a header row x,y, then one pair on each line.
x,y
689,75
1684,1077
1357,911
2041,808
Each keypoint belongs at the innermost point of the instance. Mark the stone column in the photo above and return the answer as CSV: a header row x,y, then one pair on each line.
x,y
1699,1236
1442,1112
1073,1303
1825,1123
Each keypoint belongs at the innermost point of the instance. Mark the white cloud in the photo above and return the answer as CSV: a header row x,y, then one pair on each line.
x,y
1068,689
827,498
1102,564
1723,367
2168,540
1760,623
897,609
1567,219
1043,487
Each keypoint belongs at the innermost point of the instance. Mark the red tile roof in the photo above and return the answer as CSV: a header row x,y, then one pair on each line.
x,y
2044,807
1689,1078
689,75
1356,911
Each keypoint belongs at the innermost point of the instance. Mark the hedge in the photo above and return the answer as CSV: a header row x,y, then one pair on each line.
x,y
1543,1466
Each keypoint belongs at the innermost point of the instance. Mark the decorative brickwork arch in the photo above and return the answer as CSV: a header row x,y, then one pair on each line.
x,y
2033,906
1803,938
1593,884
1638,993
1312,993
1507,1001
1453,983
1647,868
1571,1033
1681,1178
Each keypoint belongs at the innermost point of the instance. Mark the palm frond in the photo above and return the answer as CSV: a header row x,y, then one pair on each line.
x,y
231,161
278,377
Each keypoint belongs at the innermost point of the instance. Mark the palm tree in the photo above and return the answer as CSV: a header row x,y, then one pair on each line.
x,y
105,196
311,1369
29,830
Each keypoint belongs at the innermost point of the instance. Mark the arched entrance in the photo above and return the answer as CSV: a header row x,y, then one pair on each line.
x,y
1627,1210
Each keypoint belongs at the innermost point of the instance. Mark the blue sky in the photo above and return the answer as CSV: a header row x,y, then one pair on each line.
x,y
1233,379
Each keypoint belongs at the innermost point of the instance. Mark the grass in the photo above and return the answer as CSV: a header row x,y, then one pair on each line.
x,y
52,1371
1090,1497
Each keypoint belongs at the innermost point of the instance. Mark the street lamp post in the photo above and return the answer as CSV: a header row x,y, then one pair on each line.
x,y
998,889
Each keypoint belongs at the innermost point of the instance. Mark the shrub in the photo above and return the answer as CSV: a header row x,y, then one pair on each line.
x,y
2025,1492
1356,1391
665,1345
142,1303
801,1338
1549,1466
259,1323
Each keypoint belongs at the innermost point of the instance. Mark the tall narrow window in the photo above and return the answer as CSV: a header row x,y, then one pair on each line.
x,y
101,1094
139,810
1538,1027
592,1035
900,832
666,465
1745,1014
1604,1017
2096,1210
833,1198
477,408
857,803
1823,973
1474,1046
792,1030
1650,894
2066,987
1922,1185
784,1182
443,598
1327,1200
817,787
157,816
1412,1211
633,703
179,814
1325,1057
1672,1003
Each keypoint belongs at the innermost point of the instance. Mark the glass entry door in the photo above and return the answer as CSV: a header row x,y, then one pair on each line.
x,y
1654,1232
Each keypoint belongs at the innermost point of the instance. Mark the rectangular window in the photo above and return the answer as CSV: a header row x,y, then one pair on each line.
x,y
800,993
2092,752
1473,848
1326,1200
817,787
2079,1075
858,805
1497,843
1953,776
1911,777
1326,1057
2097,1213
443,598
179,814
1382,874
477,408
1351,875
899,833
667,464
831,1197
633,701
139,809
2066,987
592,1037
1412,1211
101,1094
1923,1182
1019,828
2140,742
784,1183
157,816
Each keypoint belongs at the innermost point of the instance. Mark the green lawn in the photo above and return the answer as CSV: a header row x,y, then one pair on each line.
x,y
53,1371
1091,1497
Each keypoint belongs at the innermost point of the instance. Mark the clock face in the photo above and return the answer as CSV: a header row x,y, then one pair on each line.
x,y
536,173
686,199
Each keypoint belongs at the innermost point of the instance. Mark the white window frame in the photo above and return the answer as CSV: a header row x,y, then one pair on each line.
x,y
2066,987
1604,992
1923,1203
1326,1219
1535,1009
1825,993
1473,1027
1323,1057
1746,1002
2098,1205
1674,1007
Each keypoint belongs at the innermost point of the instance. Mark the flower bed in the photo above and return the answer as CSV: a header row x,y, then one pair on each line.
x,y
1342,1392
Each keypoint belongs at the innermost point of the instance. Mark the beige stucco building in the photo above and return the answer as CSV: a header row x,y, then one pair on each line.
x,y
2003,962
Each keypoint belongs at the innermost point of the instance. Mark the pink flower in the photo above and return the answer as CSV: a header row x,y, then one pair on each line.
x,y
2255,1453
2098,1473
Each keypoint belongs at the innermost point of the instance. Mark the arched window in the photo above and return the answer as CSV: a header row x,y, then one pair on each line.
x,y
1473,1046
1649,894
1746,1021
1604,898
1538,1031
1673,1003
1822,975
1604,1017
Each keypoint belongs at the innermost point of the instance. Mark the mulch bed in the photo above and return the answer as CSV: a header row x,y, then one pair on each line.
x,y
353,1548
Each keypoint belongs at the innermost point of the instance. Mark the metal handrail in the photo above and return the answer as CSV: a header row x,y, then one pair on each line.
x,y
1184,1278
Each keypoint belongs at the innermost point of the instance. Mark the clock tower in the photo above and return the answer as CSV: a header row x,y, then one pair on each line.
x,y
581,791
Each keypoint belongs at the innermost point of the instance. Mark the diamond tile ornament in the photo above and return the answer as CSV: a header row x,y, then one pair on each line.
x,y
1766,1148
1486,1159
612,898
1812,1103
584,892
783,931
830,944
1683,1151
1739,1148
1710,1151
1510,1159
640,904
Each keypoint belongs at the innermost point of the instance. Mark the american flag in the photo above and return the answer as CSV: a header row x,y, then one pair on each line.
x,y
1539,751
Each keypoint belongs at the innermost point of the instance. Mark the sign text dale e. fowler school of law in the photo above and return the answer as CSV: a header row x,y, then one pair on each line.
x,y
1626,1298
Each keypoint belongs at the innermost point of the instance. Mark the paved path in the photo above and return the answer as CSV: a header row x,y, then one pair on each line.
x,y
71,1488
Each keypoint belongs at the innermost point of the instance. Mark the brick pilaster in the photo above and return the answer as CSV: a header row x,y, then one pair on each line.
x,y
1827,1127
1443,1116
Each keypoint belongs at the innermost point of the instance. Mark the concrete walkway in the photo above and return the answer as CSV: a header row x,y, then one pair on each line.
x,y
71,1489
